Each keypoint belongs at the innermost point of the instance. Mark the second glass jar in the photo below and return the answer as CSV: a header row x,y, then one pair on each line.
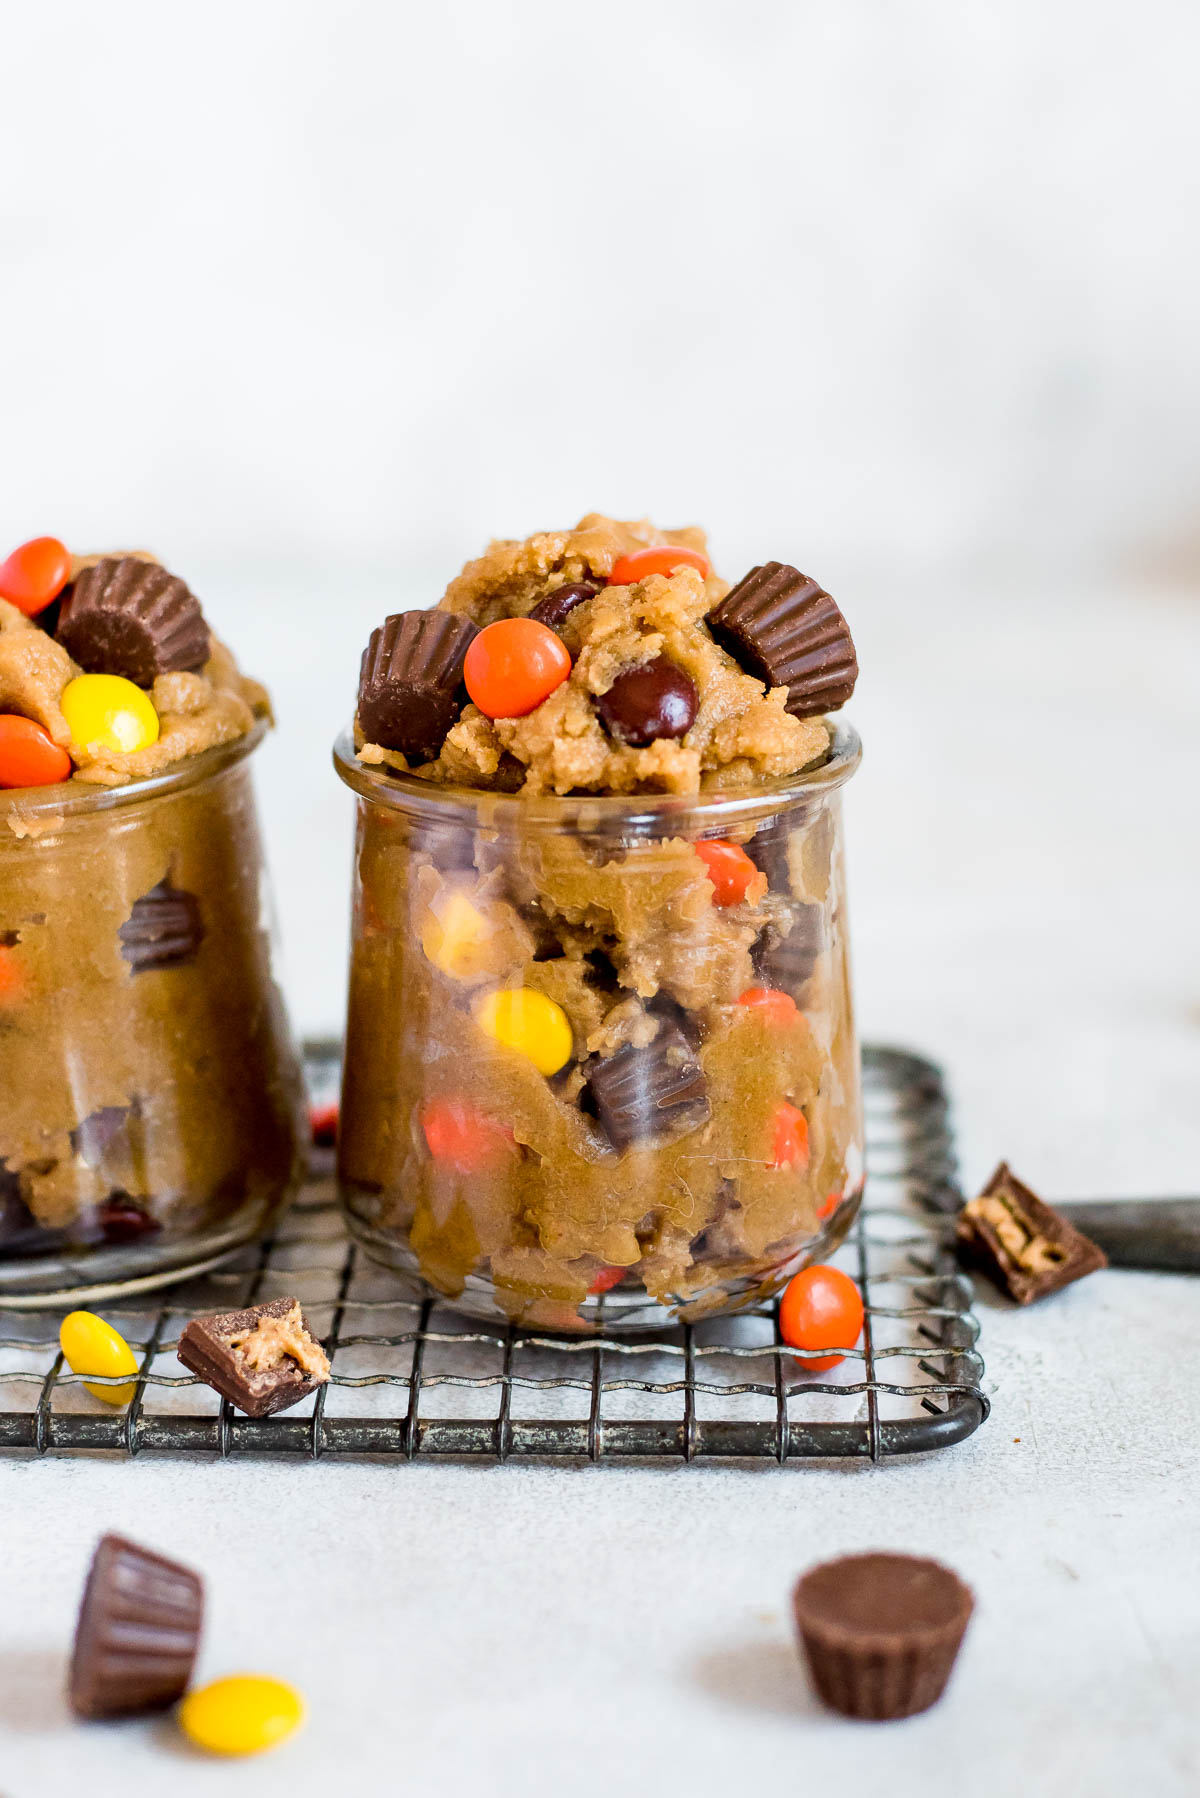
x,y
600,1064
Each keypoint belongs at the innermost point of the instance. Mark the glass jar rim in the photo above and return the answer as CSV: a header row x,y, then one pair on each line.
x,y
71,799
642,812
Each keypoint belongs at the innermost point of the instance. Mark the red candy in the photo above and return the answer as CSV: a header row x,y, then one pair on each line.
x,y
35,574
464,1139
790,1147
607,1278
323,1124
29,756
660,558
730,870
513,665
821,1308
777,1007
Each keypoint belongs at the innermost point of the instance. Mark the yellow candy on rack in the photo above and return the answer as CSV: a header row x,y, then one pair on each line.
x,y
106,711
454,936
526,1020
245,1714
90,1345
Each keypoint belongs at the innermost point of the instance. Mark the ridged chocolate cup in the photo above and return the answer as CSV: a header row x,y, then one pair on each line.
x,y
410,687
787,631
138,1632
164,929
881,1632
640,1093
126,616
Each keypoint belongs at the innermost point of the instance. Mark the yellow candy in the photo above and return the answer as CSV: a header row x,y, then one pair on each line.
x,y
527,1021
242,1715
106,711
454,937
92,1346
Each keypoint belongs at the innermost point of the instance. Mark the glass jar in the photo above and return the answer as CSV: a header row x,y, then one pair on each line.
x,y
150,1119
595,1075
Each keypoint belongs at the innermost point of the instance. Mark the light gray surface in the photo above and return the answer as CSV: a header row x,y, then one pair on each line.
x,y
1024,877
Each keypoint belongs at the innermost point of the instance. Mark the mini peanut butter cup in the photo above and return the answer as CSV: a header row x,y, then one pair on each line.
x,y
410,688
130,617
881,1632
642,1093
138,1632
163,930
784,629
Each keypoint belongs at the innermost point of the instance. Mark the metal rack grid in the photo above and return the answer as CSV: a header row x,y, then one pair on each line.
x,y
413,1379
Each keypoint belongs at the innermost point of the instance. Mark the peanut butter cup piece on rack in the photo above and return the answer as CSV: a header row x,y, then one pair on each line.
x,y
410,688
786,630
138,1632
263,1359
881,1632
640,1093
130,617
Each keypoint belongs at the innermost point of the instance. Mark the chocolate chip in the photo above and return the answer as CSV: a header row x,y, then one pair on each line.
x,y
163,930
122,1219
138,1632
640,1093
410,687
129,617
655,699
786,630
561,603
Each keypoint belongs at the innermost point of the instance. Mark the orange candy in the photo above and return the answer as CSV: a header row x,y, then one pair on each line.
x,y
828,1206
12,980
35,574
730,870
790,1147
778,1007
513,665
821,1308
464,1139
29,756
660,558
607,1278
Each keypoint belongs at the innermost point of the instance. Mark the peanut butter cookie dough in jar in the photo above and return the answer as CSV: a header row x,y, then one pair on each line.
x,y
601,1068
150,1120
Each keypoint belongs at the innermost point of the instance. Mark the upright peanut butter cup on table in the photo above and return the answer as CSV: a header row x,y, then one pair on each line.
x,y
567,1077
151,1091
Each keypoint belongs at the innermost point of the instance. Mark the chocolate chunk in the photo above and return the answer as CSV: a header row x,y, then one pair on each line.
x,y
122,1219
655,699
787,962
559,605
1028,1248
410,688
262,1360
163,930
20,1233
126,616
98,1131
785,630
641,1093
881,1632
138,1632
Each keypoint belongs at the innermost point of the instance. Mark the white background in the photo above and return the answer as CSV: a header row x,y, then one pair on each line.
x,y
314,299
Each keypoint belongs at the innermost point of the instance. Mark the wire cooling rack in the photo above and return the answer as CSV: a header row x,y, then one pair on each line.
x,y
413,1379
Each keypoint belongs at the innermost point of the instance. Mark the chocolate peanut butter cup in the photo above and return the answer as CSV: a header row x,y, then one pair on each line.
x,y
130,617
263,1359
881,1632
410,688
163,930
786,630
138,1632
1029,1249
642,1093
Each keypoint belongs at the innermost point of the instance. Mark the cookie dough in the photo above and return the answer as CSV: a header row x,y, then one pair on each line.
x,y
668,1110
151,1092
